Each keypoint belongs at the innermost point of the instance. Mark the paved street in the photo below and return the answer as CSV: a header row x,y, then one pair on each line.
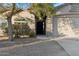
x,y
71,45
48,48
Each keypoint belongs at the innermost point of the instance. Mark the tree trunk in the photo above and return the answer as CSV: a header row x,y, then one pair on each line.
x,y
36,19
9,18
55,26
45,24
10,29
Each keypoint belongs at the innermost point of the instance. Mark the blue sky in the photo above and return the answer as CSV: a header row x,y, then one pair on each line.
x,y
23,5
57,4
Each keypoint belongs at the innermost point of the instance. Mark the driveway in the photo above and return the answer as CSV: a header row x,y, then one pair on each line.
x,y
71,45
45,48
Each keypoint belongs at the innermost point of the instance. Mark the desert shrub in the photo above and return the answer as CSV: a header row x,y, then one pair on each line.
x,y
31,34
21,29
3,26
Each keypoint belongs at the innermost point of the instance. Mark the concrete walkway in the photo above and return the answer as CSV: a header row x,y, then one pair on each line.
x,y
71,45
42,37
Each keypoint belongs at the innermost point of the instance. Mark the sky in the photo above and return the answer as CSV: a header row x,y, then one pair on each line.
x,y
23,5
57,4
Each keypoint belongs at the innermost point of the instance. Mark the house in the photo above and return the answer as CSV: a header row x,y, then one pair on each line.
x,y
38,28
68,19
20,18
65,22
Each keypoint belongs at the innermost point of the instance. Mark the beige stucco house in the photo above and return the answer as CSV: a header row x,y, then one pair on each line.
x,y
65,22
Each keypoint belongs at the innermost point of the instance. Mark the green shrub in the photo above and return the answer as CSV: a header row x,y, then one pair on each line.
x,y
31,34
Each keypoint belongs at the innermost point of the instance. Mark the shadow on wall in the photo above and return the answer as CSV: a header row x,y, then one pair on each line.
x,y
65,26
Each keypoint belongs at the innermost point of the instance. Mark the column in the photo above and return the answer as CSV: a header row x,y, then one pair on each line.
x,y
55,26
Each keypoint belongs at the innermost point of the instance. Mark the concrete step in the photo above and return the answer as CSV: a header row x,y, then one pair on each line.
x,y
42,37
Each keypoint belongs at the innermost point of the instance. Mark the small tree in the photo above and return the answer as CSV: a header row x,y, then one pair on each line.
x,y
8,10
42,11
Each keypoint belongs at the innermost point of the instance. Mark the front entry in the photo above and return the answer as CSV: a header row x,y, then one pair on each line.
x,y
40,28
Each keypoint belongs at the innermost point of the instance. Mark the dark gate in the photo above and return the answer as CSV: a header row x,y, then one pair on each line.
x,y
40,28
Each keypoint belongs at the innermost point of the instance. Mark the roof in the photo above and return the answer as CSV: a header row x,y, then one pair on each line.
x,y
62,5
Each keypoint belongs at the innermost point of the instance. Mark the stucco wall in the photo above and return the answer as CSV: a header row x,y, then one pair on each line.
x,y
49,27
69,26
75,7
